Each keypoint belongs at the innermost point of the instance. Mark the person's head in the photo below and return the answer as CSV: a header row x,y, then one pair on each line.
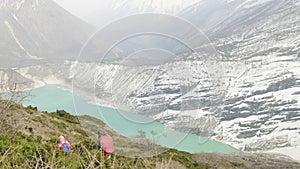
x,y
62,139
101,132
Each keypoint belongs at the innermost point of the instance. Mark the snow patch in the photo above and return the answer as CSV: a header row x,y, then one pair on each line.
x,y
293,152
19,4
252,3
15,17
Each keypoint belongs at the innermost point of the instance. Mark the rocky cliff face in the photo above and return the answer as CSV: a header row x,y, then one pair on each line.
x,y
261,109
11,80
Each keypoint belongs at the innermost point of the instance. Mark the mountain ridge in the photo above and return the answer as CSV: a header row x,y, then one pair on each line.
x,y
26,27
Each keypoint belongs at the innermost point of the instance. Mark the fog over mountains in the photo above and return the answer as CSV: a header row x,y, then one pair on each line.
x,y
249,97
116,9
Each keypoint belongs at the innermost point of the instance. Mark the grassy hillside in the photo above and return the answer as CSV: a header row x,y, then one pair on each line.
x,y
29,139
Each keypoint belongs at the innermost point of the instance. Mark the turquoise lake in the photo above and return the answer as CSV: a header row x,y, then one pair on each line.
x,y
52,97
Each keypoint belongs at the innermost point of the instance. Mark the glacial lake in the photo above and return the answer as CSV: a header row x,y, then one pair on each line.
x,y
52,97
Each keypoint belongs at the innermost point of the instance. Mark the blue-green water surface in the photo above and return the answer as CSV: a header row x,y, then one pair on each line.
x,y
52,97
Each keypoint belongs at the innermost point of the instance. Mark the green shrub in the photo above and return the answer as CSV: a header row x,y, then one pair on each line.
x,y
61,114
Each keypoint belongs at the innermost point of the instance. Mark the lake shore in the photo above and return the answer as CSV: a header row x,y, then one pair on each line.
x,y
67,96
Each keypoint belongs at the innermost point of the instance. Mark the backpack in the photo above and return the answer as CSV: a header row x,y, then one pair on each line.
x,y
66,147
107,144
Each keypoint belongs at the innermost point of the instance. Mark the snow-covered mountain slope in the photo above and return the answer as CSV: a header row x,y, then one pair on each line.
x,y
251,12
249,3
31,30
207,13
260,79
262,106
223,17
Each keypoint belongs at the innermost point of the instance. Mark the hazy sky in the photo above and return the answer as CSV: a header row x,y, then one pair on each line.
x,y
80,8
102,12
84,8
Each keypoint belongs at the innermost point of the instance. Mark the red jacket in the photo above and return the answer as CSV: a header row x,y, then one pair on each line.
x,y
107,144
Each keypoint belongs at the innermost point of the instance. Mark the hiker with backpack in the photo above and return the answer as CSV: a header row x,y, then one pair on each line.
x,y
105,142
64,144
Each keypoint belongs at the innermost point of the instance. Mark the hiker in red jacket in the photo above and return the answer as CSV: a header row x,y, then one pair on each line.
x,y
105,142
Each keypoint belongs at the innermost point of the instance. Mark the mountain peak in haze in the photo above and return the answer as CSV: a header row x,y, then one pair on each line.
x,y
39,30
